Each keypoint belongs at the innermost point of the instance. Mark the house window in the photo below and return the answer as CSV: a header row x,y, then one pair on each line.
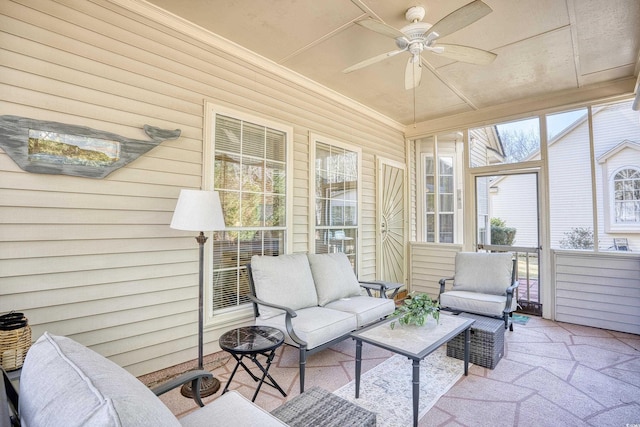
x,y
250,174
626,196
482,210
439,192
439,198
336,198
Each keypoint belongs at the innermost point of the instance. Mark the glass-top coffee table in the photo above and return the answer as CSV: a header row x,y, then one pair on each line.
x,y
414,342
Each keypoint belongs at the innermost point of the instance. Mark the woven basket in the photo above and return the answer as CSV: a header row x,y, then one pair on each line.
x,y
15,340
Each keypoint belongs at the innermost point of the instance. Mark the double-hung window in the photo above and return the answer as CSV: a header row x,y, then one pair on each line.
x,y
440,162
250,161
336,198
439,199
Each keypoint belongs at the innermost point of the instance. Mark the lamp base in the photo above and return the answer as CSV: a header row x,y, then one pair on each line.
x,y
208,386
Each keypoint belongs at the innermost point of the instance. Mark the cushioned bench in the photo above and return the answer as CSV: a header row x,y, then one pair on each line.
x,y
315,298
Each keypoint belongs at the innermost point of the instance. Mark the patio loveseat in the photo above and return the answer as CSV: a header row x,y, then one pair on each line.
x,y
64,383
315,298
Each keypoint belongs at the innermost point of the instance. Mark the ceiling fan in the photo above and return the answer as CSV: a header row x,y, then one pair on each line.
x,y
419,36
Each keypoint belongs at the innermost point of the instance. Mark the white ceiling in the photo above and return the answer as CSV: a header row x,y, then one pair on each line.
x,y
542,45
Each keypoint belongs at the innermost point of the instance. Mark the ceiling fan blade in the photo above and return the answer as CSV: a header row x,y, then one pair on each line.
x,y
467,54
460,18
373,60
379,27
413,72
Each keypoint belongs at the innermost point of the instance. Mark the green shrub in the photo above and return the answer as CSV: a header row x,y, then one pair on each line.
x,y
501,234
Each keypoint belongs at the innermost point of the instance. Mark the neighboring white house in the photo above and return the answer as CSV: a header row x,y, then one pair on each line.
x,y
617,183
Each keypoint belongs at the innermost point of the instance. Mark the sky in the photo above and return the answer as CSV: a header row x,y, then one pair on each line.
x,y
556,123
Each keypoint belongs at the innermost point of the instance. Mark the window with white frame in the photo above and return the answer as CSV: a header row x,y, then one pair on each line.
x,y
439,199
440,162
250,174
482,210
336,198
626,196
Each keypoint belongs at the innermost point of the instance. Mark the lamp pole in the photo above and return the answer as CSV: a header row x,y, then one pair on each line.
x,y
199,210
201,239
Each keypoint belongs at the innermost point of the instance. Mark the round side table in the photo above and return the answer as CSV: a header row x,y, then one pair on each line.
x,y
249,342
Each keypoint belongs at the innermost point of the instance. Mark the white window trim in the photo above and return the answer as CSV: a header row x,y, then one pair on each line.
x,y
436,154
232,314
610,225
315,138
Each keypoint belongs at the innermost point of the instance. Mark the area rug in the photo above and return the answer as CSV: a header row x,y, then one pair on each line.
x,y
387,389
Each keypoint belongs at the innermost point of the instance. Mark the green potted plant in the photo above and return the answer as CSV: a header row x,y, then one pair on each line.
x,y
415,310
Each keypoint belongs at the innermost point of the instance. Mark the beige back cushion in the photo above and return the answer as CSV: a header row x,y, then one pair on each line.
x,y
64,383
284,280
487,273
334,277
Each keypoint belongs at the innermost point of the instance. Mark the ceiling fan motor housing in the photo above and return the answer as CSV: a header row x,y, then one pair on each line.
x,y
416,31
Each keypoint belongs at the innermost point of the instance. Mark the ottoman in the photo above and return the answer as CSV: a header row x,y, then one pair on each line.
x,y
487,342
319,408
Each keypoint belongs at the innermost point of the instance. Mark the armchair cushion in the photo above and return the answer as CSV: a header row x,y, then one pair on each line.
x,y
473,302
63,383
486,273
294,288
231,409
333,276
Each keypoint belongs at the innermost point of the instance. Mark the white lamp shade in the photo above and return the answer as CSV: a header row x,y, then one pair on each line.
x,y
198,210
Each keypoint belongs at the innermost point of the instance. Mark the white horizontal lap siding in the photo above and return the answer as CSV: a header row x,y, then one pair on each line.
x,y
430,263
571,204
95,259
515,203
600,290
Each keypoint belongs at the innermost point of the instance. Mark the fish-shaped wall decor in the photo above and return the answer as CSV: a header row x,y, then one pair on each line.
x,y
41,146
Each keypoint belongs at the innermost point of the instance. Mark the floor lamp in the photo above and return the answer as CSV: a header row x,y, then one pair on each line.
x,y
201,211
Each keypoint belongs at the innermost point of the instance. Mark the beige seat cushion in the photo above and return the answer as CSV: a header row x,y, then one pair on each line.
x,y
366,309
230,409
315,325
473,302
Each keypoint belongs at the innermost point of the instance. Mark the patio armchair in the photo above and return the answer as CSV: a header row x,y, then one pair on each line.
x,y
484,284
64,383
